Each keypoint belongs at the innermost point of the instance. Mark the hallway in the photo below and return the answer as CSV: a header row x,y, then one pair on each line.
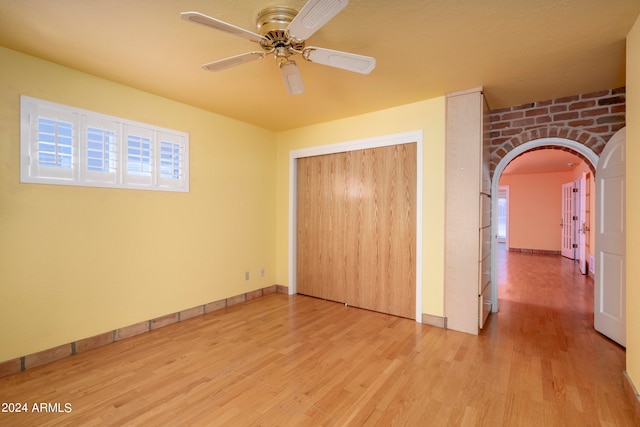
x,y
546,312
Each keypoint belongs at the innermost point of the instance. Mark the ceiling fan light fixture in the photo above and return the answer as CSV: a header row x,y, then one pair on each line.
x,y
291,77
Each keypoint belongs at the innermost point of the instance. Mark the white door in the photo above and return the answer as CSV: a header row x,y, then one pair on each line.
x,y
568,222
609,313
582,222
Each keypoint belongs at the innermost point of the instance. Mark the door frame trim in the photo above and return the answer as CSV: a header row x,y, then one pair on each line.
x,y
361,144
521,149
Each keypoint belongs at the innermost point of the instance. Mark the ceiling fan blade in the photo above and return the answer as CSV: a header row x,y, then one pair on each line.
x,y
232,61
208,21
292,77
344,60
313,16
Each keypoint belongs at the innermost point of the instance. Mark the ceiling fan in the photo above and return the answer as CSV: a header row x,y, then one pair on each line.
x,y
283,32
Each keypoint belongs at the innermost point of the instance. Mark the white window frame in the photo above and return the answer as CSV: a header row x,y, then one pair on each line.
x,y
124,166
503,193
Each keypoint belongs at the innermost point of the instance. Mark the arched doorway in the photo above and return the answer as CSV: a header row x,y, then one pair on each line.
x,y
577,148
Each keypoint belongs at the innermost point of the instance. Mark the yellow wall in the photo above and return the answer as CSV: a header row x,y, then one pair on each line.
x,y
633,202
78,261
427,116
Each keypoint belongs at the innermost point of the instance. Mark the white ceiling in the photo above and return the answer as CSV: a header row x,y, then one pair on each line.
x,y
520,51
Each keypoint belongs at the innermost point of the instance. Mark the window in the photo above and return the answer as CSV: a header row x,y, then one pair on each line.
x,y
55,143
68,146
101,150
170,159
503,213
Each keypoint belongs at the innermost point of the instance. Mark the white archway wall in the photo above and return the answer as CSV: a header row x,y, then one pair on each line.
x,y
558,138
562,143
577,148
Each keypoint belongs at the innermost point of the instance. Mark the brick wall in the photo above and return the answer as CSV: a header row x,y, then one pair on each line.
x,y
590,119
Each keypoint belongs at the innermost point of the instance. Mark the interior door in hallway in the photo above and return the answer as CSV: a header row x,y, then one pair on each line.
x,y
582,222
356,225
609,312
568,220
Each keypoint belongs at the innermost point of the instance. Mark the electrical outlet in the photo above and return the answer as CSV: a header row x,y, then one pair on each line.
x,y
246,275
262,272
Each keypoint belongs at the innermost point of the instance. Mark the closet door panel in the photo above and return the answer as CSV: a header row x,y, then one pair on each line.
x,y
356,228
320,218
382,238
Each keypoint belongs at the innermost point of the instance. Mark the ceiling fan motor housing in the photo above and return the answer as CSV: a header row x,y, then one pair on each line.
x,y
272,24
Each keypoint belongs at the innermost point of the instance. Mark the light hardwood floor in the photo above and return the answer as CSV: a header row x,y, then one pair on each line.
x,y
288,361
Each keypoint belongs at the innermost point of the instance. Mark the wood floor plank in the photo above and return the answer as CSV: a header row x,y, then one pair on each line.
x,y
301,361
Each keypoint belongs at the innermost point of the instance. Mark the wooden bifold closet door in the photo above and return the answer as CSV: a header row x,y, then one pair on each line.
x,y
356,225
